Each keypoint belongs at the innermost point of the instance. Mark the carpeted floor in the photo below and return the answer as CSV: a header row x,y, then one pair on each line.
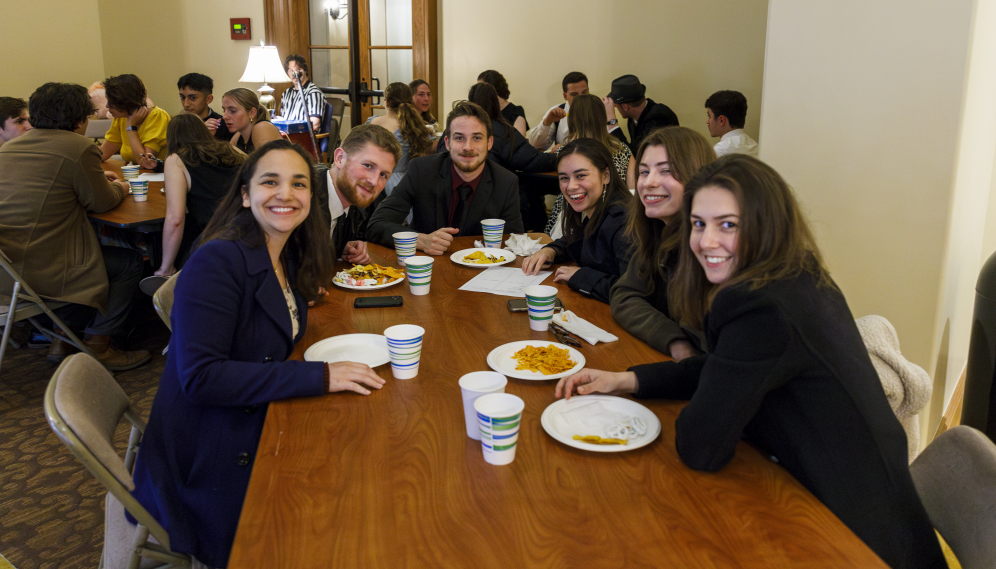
x,y
51,508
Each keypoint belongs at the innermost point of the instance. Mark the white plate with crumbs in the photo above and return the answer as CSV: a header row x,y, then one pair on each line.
x,y
594,415
504,257
370,349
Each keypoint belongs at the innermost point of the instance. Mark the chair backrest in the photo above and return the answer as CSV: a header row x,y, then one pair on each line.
x,y
338,107
163,299
328,127
84,405
956,479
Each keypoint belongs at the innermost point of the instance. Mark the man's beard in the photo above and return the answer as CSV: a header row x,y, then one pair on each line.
x,y
473,166
347,187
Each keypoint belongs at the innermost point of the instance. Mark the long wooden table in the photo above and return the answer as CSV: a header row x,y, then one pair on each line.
x,y
392,480
145,217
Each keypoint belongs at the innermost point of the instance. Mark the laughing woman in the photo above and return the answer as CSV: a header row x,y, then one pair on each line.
x,y
241,303
788,371
593,235
667,158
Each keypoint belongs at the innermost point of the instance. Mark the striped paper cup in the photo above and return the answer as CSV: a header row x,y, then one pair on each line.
x,y
499,416
404,345
419,274
539,300
492,230
404,245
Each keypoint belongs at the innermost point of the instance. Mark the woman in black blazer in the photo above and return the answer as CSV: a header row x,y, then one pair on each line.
x,y
241,303
594,224
787,370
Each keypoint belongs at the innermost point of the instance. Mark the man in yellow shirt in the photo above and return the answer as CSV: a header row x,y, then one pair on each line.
x,y
138,131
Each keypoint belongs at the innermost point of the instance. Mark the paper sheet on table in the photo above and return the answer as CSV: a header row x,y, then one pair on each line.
x,y
152,177
504,281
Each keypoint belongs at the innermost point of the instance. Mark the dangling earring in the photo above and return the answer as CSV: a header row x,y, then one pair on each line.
x,y
605,191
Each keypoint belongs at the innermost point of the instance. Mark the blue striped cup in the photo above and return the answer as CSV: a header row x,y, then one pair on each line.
x,y
404,346
499,416
404,245
539,300
492,230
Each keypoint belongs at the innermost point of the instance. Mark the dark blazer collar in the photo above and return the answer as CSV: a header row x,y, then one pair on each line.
x,y
268,294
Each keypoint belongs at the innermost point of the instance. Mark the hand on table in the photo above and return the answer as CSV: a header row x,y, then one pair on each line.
x,y
356,252
681,349
212,125
437,242
125,187
111,176
564,274
352,376
589,381
553,115
137,117
147,161
538,260
321,293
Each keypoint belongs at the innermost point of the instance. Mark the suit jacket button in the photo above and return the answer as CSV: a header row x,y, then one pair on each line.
x,y
243,459
267,359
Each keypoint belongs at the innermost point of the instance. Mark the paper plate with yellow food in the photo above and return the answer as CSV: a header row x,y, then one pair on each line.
x,y
368,277
482,258
601,423
535,360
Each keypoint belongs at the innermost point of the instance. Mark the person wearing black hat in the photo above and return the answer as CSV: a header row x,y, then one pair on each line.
x,y
643,114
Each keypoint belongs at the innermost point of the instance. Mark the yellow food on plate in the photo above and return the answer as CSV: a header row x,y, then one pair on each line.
x,y
359,274
481,258
548,360
597,440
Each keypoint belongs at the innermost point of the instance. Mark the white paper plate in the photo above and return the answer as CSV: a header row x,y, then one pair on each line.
x,y
500,359
558,427
368,287
370,349
459,255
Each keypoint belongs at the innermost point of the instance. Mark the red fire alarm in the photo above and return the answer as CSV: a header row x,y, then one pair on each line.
x,y
240,29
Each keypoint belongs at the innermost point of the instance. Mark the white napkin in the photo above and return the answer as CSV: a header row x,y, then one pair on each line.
x,y
582,328
522,245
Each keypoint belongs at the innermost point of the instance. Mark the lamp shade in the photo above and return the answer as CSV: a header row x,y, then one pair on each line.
x,y
264,66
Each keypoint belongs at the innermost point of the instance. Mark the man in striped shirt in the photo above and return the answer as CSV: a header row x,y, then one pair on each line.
x,y
291,106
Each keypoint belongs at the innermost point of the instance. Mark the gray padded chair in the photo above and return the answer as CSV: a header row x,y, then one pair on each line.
x,y
84,406
956,479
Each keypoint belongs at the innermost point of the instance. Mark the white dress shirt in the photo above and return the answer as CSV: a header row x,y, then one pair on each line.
x,y
736,142
543,136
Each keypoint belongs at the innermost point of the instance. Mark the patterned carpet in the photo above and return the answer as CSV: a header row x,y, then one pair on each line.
x,y
51,508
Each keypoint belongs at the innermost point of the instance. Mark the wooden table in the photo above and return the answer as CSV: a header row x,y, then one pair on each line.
x,y
392,480
145,217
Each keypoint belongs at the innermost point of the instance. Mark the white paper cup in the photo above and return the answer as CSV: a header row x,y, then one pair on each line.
x,y
540,300
129,171
404,345
404,245
419,274
498,417
474,385
492,230
140,190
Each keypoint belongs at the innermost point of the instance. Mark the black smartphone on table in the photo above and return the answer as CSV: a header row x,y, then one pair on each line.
x,y
377,301
519,305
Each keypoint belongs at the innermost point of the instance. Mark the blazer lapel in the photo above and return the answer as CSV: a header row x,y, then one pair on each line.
x,y
268,294
444,190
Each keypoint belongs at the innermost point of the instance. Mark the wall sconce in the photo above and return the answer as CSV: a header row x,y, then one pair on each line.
x,y
336,9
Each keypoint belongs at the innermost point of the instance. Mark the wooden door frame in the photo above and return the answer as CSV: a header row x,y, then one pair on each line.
x,y
287,27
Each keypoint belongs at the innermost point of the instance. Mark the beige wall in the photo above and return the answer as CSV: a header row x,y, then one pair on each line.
x,y
101,38
676,47
63,39
870,112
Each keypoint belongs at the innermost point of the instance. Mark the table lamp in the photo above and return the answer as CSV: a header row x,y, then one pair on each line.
x,y
264,66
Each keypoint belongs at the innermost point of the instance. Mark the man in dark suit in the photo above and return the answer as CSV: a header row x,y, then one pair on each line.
x,y
359,171
643,114
450,193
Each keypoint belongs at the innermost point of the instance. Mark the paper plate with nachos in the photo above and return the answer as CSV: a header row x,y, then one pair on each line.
x,y
368,277
535,360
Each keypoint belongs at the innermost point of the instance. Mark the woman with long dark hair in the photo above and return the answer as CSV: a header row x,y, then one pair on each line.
x,y
404,121
514,114
240,305
587,120
787,372
666,159
593,226
198,172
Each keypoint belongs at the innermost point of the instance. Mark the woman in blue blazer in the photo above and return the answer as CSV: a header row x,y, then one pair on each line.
x,y
787,370
240,305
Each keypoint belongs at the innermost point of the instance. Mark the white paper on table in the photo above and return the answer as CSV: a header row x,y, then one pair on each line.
x,y
504,281
152,177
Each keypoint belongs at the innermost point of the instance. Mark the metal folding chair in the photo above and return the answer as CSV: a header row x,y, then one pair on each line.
x,y
84,406
24,304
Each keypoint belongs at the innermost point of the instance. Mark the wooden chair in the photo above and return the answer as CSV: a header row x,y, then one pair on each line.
x,y
84,406
24,304
956,479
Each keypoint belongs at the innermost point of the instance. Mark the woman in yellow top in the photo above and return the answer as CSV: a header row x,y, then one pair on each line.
x,y
138,131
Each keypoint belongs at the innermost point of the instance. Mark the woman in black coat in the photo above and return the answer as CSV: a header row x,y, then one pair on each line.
x,y
787,369
594,224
